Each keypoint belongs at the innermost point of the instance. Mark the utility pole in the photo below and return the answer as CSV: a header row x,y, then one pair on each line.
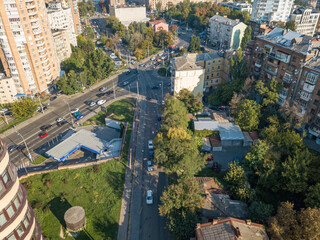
x,y
25,144
114,90
162,88
40,104
69,111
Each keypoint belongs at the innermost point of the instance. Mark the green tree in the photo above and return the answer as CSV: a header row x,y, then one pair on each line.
x,y
138,53
254,159
246,37
177,151
159,6
194,44
193,103
180,204
90,33
291,25
248,114
260,212
173,29
24,108
238,182
268,93
313,196
174,114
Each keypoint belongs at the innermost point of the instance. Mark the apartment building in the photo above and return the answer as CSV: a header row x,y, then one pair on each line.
x,y
271,10
241,6
259,28
225,32
16,216
185,73
8,89
62,19
128,14
62,44
293,59
306,19
26,47
164,3
216,66
73,4
312,3
114,2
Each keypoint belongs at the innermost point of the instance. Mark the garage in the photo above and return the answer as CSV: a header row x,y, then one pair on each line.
x,y
230,135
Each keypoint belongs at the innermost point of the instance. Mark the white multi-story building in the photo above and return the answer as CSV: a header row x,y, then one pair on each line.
x,y
128,14
8,89
62,44
242,6
271,10
185,73
16,216
225,32
61,18
26,49
306,20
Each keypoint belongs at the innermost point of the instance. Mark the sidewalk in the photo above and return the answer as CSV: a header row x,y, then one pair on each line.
x,y
126,199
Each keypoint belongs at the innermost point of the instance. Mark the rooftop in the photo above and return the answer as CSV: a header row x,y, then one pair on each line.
x,y
81,139
186,62
209,56
230,229
301,10
230,131
225,20
208,124
290,39
157,22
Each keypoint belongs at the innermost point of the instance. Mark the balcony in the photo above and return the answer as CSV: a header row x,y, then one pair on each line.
x,y
305,96
280,56
43,55
47,71
27,1
40,50
30,6
37,31
40,44
35,25
32,13
287,78
273,63
45,60
45,66
38,38
49,76
273,72
308,87
284,93
34,19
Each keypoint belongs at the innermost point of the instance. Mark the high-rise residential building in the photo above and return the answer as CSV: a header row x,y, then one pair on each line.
x,y
26,48
306,19
185,73
312,3
241,6
62,19
114,2
226,33
62,44
73,4
128,14
8,89
292,59
271,10
16,216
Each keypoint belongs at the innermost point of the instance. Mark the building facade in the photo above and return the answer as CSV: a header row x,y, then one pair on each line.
x,y
61,44
216,66
62,19
8,89
114,2
226,33
26,47
164,3
159,25
73,4
16,216
259,28
292,59
129,14
242,6
306,20
271,10
185,73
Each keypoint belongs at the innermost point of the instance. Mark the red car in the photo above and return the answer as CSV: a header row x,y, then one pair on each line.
x,y
210,158
222,108
42,135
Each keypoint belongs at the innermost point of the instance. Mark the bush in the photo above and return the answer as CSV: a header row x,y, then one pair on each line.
x,y
260,212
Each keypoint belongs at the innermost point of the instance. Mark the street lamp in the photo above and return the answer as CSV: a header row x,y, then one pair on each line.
x,y
69,111
25,144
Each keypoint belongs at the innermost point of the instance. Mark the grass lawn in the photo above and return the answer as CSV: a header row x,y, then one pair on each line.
x,y
98,189
39,159
11,124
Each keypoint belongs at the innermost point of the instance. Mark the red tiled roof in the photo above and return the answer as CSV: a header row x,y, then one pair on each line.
x,y
157,22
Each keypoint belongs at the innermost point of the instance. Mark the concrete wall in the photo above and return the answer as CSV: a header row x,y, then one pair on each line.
x,y
129,14
193,80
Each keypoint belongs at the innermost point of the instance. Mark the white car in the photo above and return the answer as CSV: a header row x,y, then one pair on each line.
x,y
74,110
150,145
149,197
153,58
160,54
149,166
60,119
100,102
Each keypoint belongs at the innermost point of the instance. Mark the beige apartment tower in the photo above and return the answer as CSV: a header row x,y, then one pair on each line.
x,y
26,47
16,216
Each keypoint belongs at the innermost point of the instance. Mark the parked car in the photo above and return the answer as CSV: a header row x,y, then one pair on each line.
x,y
8,114
125,83
150,145
149,165
43,134
155,87
100,94
39,109
53,98
59,124
216,108
60,119
103,89
91,103
128,72
153,58
45,127
210,158
222,108
80,116
149,197
101,102
74,110
21,147
109,92
12,148
76,113
4,110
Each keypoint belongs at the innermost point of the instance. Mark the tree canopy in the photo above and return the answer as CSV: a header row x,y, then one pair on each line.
x,y
194,44
24,108
247,116
193,103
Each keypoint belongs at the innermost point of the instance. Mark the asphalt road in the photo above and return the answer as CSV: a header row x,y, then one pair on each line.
x,y
145,221
59,108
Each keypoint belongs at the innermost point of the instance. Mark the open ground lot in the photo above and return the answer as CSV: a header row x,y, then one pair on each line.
x,y
98,189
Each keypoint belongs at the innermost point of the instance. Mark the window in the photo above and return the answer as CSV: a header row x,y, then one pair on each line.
x,y
5,177
20,230
10,211
26,222
218,74
3,219
218,67
312,78
209,63
294,59
16,202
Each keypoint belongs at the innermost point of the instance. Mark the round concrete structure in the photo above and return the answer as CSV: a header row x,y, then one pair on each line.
x,y
75,218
